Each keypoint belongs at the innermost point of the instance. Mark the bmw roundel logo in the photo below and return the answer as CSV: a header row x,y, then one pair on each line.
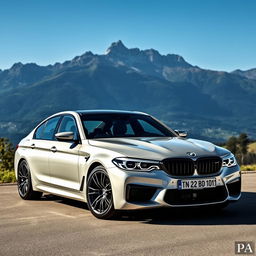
x,y
192,154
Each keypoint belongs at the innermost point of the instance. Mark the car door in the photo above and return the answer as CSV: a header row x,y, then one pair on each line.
x,y
40,147
63,160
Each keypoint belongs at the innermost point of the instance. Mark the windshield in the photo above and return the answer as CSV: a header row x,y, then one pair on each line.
x,y
122,125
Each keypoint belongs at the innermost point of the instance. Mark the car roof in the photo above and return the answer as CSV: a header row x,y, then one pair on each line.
x,y
107,111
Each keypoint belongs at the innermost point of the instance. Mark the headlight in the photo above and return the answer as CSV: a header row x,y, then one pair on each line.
x,y
132,164
229,161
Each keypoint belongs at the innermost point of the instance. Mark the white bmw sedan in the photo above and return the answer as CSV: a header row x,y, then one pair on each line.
x,y
115,160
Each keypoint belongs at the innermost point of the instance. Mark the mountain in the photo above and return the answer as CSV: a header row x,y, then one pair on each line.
x,y
208,104
250,74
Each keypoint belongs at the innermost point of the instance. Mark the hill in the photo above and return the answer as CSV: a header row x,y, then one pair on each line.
x,y
209,104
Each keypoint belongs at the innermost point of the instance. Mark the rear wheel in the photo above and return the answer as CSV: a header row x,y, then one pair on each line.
x,y
99,194
25,188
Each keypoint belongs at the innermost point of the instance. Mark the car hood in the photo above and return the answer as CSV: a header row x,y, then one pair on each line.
x,y
158,148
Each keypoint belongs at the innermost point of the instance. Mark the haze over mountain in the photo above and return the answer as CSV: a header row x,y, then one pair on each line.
x,y
209,104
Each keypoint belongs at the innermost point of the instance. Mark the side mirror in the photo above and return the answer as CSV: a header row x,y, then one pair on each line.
x,y
67,136
182,134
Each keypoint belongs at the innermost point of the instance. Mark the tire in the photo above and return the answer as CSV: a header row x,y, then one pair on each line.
x,y
24,183
99,194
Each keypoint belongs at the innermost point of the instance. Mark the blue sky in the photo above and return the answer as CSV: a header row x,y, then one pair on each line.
x,y
216,34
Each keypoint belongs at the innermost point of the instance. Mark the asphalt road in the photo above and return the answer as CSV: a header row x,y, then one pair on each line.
x,y
55,226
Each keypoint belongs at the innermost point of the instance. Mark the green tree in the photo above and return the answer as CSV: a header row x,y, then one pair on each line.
x,y
6,155
232,145
243,142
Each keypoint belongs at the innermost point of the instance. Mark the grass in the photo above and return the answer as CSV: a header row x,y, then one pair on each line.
x,y
252,147
7,176
249,167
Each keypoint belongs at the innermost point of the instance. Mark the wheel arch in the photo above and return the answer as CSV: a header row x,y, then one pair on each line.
x,y
90,169
18,164
86,176
32,175
21,159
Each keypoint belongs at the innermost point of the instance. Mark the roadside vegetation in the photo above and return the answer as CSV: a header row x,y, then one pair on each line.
x,y
6,161
241,147
248,167
244,150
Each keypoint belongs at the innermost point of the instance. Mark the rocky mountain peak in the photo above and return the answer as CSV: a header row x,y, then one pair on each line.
x,y
16,66
117,48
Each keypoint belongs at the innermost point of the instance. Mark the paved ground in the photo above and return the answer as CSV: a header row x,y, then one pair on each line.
x,y
53,226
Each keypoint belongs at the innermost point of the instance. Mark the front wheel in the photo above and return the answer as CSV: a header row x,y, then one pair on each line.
x,y
99,194
24,182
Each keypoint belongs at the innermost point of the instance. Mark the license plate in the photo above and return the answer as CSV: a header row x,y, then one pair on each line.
x,y
196,184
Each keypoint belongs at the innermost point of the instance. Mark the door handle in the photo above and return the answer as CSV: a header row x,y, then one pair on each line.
x,y
53,149
33,146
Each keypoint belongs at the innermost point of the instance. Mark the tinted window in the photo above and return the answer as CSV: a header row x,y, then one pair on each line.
x,y
147,127
39,131
47,129
91,125
68,124
123,125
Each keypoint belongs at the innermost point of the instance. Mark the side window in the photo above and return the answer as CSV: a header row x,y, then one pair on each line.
x,y
39,132
68,124
46,130
50,127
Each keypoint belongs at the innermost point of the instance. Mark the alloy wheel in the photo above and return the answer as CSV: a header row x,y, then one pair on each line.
x,y
99,192
23,179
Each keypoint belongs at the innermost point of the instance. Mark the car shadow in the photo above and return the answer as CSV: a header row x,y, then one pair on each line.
x,y
62,200
242,212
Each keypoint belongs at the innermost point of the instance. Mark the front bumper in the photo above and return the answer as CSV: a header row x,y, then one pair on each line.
x,y
138,190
